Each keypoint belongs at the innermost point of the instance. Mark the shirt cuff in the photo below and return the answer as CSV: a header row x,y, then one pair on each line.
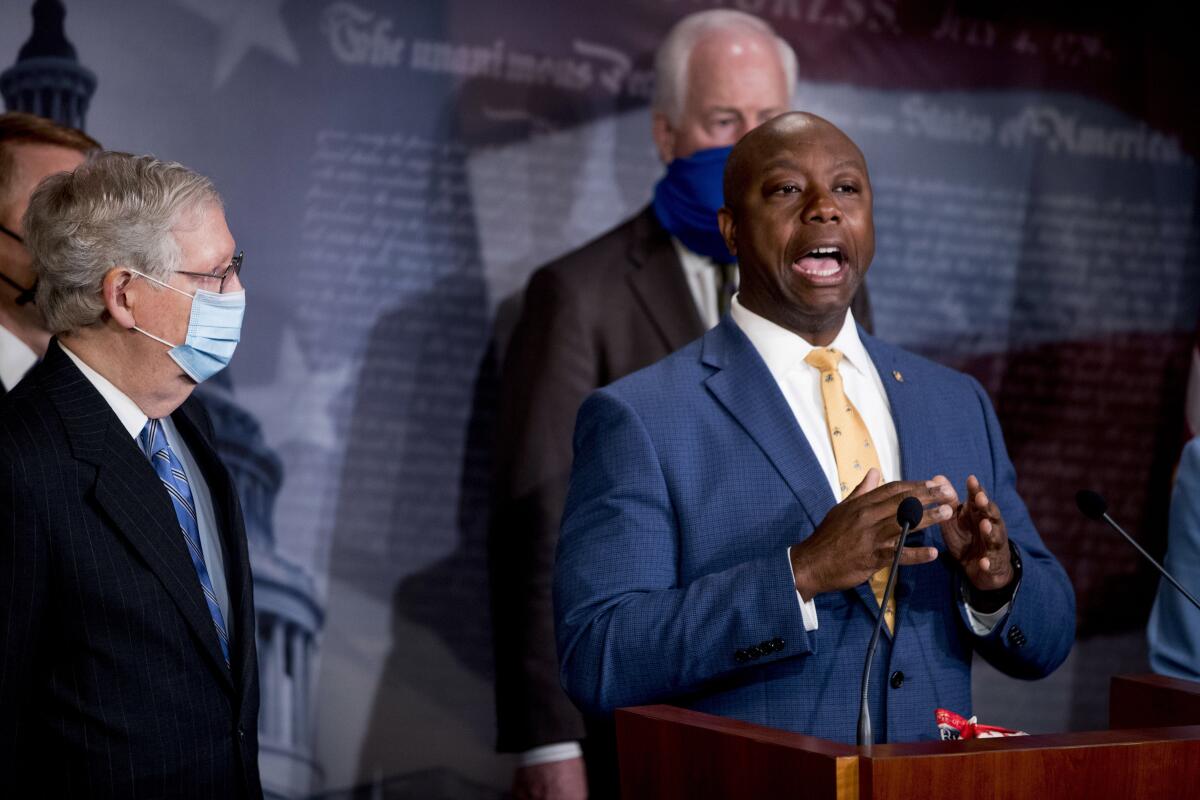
x,y
808,608
983,624
549,753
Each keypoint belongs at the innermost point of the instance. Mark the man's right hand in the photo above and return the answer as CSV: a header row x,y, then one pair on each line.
x,y
858,535
555,780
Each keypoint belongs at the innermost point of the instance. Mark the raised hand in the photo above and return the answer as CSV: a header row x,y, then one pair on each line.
x,y
976,536
858,535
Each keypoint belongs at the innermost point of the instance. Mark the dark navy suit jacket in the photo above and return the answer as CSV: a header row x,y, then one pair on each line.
x,y
112,682
692,477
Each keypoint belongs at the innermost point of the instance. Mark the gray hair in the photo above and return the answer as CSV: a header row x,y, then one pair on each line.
x,y
674,54
114,210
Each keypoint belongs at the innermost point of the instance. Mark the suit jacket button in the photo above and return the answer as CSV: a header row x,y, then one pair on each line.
x,y
897,679
741,656
777,644
241,732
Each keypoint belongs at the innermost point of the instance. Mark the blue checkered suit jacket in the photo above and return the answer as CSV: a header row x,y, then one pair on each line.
x,y
692,477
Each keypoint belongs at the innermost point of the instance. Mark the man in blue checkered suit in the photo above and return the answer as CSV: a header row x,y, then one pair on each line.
x,y
705,559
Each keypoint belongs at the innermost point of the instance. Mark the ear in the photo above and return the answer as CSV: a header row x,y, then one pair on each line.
x,y
121,294
664,137
728,229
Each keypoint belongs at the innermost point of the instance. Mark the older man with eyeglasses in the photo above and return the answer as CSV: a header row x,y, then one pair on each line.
x,y
128,667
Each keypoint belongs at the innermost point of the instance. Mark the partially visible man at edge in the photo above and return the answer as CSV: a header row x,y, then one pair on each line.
x,y
617,304
126,604
31,148
732,511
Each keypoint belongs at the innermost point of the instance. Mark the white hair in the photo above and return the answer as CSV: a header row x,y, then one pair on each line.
x,y
674,54
115,209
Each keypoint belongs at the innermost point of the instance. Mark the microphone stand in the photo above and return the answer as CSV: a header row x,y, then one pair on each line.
x,y
1093,505
905,517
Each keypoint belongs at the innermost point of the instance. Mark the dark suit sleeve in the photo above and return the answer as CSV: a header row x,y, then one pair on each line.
x,y
550,367
24,593
1034,638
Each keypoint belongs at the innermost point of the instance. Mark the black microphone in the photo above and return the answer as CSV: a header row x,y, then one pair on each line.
x,y
908,515
1093,506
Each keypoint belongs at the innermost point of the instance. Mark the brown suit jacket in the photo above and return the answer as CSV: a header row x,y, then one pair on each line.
x,y
614,306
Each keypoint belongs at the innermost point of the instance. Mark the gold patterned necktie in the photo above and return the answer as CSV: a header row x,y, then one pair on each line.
x,y
853,449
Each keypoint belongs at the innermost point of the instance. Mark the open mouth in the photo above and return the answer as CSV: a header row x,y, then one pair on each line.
x,y
821,263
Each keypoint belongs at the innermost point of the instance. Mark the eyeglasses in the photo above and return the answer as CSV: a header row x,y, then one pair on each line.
x,y
234,268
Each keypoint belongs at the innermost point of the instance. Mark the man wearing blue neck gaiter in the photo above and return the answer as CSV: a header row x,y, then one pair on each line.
x,y
616,305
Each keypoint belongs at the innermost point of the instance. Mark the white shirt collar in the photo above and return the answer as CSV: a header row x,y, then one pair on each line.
x,y
132,418
16,358
690,259
783,351
701,274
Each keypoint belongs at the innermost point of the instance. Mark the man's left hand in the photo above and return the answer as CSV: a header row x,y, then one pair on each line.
x,y
976,536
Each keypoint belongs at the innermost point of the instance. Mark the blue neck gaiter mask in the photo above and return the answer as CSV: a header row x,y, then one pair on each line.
x,y
687,198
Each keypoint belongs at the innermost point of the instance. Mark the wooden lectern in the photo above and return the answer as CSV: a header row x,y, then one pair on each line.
x,y
1151,751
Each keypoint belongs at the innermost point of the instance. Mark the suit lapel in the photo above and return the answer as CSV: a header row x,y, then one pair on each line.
x,y
745,387
747,390
909,406
659,284
130,494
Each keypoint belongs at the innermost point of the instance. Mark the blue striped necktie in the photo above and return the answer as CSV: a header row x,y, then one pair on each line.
x,y
154,444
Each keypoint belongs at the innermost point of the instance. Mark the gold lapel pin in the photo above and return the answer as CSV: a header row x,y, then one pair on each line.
x,y
896,374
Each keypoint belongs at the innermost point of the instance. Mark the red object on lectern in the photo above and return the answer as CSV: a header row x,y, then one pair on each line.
x,y
1152,751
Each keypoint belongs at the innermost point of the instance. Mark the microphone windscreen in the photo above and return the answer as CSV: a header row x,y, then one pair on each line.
x,y
909,513
1092,504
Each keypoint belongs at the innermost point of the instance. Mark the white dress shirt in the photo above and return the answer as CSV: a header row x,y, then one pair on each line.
x,y
16,358
701,273
133,419
784,352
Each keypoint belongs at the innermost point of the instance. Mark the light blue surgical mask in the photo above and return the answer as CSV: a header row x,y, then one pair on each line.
x,y
214,330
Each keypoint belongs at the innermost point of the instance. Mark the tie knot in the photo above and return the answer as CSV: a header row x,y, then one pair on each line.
x,y
825,359
152,437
